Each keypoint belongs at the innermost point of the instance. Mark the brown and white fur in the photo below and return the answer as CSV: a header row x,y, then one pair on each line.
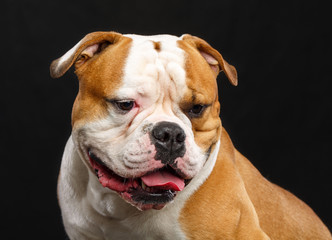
x,y
128,85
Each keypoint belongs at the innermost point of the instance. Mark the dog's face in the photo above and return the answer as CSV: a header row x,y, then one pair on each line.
x,y
147,113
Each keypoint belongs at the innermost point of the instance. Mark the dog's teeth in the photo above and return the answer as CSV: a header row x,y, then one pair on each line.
x,y
143,185
146,188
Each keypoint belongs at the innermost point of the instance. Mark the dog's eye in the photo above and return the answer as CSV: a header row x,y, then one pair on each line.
x,y
125,105
196,110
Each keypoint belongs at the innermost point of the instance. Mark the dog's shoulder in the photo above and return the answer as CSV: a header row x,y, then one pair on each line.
x,y
221,206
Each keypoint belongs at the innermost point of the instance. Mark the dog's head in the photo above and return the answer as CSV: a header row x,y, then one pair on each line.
x,y
147,113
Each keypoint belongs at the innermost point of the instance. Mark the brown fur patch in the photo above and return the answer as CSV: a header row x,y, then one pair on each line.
x,y
98,79
204,47
156,46
202,89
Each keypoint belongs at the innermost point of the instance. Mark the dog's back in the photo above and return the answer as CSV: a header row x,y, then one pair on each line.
x,y
281,214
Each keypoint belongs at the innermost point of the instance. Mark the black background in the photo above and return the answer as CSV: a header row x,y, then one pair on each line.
x,y
279,116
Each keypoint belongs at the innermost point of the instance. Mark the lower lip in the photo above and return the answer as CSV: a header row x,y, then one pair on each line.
x,y
130,189
142,205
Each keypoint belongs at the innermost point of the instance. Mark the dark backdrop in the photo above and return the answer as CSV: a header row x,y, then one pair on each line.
x,y
279,116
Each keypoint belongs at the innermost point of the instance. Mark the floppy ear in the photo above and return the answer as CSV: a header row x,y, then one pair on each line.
x,y
213,58
84,50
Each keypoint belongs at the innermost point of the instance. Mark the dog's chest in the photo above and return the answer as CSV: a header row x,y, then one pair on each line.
x,y
144,228
116,219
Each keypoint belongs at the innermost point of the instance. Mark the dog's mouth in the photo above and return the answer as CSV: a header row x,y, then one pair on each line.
x,y
153,190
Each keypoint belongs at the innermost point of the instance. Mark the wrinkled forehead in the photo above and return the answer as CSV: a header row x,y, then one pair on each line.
x,y
154,61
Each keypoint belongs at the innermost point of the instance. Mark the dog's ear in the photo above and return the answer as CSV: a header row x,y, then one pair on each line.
x,y
213,58
85,49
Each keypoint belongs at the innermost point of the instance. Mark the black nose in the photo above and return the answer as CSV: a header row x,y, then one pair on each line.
x,y
168,139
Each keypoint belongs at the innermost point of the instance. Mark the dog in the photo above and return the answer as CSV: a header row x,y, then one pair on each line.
x,y
148,157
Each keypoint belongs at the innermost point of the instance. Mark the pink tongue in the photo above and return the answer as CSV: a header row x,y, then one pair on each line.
x,y
163,179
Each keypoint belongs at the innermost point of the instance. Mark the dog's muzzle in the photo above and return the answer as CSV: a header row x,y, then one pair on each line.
x,y
159,186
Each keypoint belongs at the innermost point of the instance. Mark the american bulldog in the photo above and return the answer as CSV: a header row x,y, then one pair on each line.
x,y
148,157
